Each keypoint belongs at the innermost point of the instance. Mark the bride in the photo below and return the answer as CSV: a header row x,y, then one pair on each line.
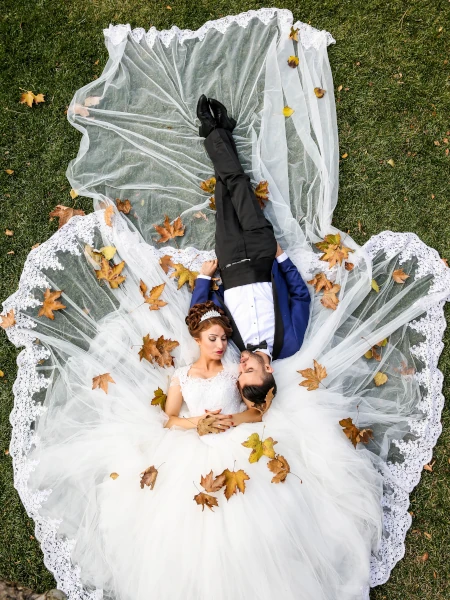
x,y
145,472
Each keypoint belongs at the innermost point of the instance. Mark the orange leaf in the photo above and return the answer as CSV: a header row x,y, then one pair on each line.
x,y
320,282
101,381
234,482
313,376
168,231
203,500
166,262
399,276
109,211
211,483
329,299
50,304
123,206
8,320
212,203
158,351
262,193
209,185
280,466
65,213
111,274
153,297
355,434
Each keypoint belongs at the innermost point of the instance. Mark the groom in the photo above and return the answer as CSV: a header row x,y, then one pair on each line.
x,y
262,292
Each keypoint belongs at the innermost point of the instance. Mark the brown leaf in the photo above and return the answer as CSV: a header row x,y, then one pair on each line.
x,y
166,262
424,557
111,274
153,297
280,467
399,276
50,304
319,92
9,232
158,351
101,381
329,298
208,185
405,370
429,466
349,266
203,500
123,206
293,61
159,398
200,215
65,213
184,275
168,231
8,320
313,376
355,434
334,251
211,483
108,214
212,203
207,424
234,482
262,193
320,282
214,285
148,477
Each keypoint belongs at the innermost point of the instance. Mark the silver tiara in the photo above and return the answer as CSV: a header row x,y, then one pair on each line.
x,y
210,314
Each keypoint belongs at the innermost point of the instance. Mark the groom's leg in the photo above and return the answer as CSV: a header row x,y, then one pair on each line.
x,y
230,171
230,243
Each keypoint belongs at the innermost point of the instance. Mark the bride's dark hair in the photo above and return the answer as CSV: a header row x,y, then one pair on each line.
x,y
196,313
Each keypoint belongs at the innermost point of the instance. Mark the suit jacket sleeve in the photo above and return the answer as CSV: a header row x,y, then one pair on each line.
x,y
203,292
299,297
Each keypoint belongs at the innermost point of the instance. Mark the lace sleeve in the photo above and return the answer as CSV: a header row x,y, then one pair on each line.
x,y
179,376
175,379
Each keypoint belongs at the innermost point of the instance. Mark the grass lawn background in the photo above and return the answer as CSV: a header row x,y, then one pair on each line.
x,y
392,57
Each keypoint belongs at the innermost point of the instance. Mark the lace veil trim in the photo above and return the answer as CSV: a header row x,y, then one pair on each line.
x,y
308,36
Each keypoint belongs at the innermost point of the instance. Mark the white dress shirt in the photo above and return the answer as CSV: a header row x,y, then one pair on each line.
x,y
252,309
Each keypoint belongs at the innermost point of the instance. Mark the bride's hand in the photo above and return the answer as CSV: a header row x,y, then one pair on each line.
x,y
223,422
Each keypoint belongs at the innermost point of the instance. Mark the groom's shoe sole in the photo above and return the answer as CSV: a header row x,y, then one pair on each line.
x,y
208,121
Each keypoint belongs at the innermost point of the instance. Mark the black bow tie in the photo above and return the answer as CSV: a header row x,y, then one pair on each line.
x,y
254,347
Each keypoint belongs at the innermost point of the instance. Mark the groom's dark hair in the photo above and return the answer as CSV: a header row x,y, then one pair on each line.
x,y
258,393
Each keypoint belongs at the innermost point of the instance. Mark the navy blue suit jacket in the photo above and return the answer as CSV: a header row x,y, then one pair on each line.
x,y
293,302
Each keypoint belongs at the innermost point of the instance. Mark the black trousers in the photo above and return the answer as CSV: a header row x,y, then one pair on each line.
x,y
245,241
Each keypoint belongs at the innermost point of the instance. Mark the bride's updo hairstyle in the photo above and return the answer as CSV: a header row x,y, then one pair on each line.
x,y
196,312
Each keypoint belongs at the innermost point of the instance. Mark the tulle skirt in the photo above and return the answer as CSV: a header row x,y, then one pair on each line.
x,y
336,525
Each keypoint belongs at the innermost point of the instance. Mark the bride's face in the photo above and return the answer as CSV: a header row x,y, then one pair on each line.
x,y
213,342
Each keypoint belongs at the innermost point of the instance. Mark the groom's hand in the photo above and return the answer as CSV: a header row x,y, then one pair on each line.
x,y
279,250
209,267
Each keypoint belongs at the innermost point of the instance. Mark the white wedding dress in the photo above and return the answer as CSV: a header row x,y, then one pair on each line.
x,y
336,526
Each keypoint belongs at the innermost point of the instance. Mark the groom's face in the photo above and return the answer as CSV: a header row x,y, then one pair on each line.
x,y
251,369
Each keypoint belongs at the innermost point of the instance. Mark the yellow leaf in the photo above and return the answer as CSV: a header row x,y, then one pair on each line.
x,y
73,194
259,447
344,155
287,111
114,475
391,162
2,374
108,252
375,286
9,171
293,61
319,92
380,378
234,482
184,275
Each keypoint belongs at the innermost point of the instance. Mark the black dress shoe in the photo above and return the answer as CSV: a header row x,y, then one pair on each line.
x,y
221,115
208,122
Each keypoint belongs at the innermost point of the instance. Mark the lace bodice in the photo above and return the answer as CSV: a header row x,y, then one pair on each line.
x,y
216,392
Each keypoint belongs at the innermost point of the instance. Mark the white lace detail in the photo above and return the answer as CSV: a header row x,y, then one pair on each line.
x,y
416,453
403,476
308,36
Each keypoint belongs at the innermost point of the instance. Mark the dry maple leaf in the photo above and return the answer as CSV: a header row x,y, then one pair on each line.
x,y
65,213
259,447
208,185
319,92
200,215
123,206
334,251
355,434
212,203
293,35
9,232
184,275
28,98
380,378
373,352
313,376
153,297
158,351
79,109
405,370
234,482
92,100
168,231
166,262
211,483
50,304
320,282
159,398
148,477
214,285
108,214
203,500
114,475
111,274
207,424
293,61
288,111
329,298
262,193
399,276
101,381
8,320
93,256
349,266
280,467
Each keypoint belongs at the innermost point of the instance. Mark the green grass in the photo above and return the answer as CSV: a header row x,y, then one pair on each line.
x,y
52,47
